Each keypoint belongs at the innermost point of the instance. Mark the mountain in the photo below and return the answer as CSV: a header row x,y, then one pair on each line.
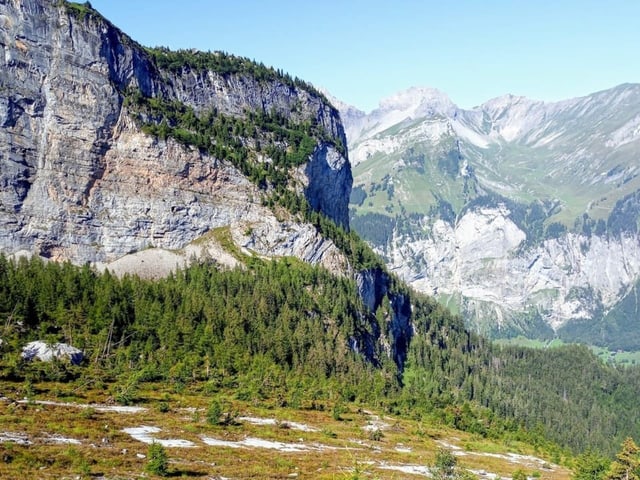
x,y
521,214
108,148
143,160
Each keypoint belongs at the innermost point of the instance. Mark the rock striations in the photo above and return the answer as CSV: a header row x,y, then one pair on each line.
x,y
80,179
521,214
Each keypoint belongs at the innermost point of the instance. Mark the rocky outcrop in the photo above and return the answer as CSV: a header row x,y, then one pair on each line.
x,y
45,352
81,181
378,295
373,285
329,183
478,262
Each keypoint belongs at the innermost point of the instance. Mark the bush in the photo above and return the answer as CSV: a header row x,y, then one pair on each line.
x,y
214,412
338,410
519,474
158,460
445,465
376,435
125,391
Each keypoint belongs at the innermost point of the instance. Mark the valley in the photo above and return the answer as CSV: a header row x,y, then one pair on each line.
x,y
185,290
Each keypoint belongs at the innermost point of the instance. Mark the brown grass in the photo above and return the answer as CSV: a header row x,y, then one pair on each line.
x,y
105,451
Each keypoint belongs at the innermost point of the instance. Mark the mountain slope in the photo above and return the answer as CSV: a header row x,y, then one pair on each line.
x,y
97,158
289,333
110,148
520,213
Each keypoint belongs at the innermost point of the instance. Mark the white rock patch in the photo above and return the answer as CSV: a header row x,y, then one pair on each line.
x,y
402,449
525,460
214,442
23,439
60,440
412,469
252,442
47,352
284,423
96,406
17,438
375,424
146,434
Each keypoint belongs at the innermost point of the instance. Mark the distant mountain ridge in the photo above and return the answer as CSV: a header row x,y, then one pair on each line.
x,y
467,204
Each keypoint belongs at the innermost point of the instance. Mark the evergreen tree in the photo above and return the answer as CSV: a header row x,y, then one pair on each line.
x,y
627,463
445,465
158,463
590,466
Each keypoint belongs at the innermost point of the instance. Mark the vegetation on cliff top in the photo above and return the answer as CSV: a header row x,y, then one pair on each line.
x,y
178,61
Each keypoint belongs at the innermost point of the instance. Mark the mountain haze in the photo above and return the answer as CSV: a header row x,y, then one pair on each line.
x,y
522,214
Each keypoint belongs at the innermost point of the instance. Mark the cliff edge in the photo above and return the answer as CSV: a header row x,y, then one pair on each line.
x,y
98,158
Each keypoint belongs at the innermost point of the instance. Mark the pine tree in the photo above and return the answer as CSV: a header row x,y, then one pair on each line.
x,y
590,466
445,465
158,460
627,463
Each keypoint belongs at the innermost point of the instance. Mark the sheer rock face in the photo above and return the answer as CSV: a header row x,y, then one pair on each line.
x,y
448,188
563,279
374,287
80,181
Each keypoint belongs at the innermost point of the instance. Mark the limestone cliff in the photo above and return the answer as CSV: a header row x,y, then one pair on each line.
x,y
141,159
572,277
82,181
520,214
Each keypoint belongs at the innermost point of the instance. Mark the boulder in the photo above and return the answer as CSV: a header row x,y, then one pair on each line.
x,y
47,352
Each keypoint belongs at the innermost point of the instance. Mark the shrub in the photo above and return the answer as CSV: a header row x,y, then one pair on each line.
x,y
214,412
158,460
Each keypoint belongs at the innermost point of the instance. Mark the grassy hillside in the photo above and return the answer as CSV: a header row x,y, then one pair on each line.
x,y
207,432
291,333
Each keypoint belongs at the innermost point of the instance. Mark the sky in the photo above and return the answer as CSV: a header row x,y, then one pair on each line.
x,y
363,51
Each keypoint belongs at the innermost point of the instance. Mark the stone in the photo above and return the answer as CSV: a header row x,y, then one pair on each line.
x,y
45,352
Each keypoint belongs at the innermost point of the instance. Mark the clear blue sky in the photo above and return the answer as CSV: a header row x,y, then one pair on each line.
x,y
362,51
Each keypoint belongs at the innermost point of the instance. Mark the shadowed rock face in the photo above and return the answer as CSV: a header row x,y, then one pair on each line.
x,y
329,182
80,181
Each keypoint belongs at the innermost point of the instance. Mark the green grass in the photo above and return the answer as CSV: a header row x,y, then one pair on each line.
x,y
451,301
414,190
521,341
222,236
619,357
606,355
